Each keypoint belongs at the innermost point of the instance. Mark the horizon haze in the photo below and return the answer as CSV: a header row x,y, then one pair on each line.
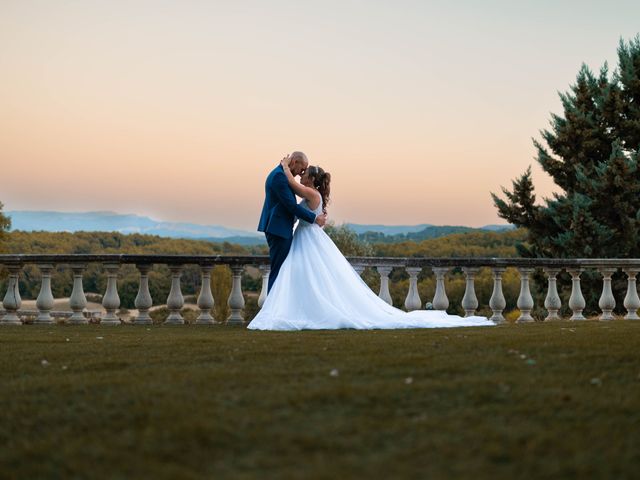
x,y
53,221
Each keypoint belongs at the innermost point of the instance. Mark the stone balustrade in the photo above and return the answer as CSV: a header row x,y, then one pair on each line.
x,y
12,314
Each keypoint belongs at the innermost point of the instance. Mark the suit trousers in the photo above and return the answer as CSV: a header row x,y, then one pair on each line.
x,y
278,250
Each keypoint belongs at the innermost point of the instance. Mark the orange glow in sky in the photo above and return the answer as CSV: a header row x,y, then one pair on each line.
x,y
179,109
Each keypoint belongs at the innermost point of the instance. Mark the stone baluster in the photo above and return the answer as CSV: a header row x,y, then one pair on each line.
x,y
413,302
440,300
607,301
205,299
111,299
44,302
78,300
236,300
631,299
384,284
143,301
576,301
175,300
266,270
497,302
12,301
552,301
525,300
359,268
469,300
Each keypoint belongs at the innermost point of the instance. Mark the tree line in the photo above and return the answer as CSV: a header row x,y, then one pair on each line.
x,y
489,244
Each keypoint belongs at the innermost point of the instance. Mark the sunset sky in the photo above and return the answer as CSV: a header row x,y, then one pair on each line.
x,y
179,109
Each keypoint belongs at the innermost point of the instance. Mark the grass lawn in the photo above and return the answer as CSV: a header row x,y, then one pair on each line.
x,y
558,400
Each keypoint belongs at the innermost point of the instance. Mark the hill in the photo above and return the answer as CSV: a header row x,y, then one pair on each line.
x,y
50,221
476,243
428,232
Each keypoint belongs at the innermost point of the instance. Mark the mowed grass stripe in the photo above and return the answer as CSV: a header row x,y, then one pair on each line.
x,y
517,401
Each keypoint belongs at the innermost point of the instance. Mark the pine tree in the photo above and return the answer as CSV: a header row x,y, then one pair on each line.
x,y
592,154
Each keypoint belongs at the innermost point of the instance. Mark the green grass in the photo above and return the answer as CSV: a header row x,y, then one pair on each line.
x,y
555,400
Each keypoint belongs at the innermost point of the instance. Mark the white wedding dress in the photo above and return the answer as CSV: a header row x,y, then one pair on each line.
x,y
317,289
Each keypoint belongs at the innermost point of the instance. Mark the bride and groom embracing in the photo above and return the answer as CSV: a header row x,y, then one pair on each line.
x,y
311,284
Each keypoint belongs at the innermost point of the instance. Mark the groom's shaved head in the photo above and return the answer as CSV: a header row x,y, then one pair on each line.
x,y
298,163
299,156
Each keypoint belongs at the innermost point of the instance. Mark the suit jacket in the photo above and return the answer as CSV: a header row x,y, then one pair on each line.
x,y
280,206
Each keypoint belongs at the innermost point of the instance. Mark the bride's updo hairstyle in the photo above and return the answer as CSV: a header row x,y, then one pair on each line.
x,y
322,182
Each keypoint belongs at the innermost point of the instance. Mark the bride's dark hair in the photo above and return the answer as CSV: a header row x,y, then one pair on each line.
x,y
322,182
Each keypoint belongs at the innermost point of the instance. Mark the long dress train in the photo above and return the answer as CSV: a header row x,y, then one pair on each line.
x,y
317,288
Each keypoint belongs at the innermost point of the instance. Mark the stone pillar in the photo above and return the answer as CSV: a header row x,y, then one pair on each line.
x,y
525,300
12,301
552,301
143,301
205,299
266,270
631,299
440,300
111,299
497,302
384,284
44,301
469,300
413,302
576,301
78,301
175,300
236,300
607,301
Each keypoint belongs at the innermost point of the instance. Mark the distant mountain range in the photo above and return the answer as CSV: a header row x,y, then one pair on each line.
x,y
51,221
407,229
414,234
387,229
116,222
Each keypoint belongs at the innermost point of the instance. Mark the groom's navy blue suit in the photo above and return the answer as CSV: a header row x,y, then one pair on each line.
x,y
278,216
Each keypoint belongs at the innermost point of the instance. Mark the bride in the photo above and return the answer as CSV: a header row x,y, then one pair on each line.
x,y
317,288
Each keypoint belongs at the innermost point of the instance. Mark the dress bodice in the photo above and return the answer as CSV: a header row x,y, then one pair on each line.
x,y
317,211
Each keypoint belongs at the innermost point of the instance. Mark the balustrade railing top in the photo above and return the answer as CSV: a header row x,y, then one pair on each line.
x,y
384,265
59,259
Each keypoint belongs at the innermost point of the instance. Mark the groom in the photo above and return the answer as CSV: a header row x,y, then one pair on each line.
x,y
280,211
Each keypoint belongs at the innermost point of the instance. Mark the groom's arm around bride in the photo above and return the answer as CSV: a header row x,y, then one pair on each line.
x,y
280,210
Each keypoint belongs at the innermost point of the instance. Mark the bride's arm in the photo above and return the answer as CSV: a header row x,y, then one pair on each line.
x,y
309,193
